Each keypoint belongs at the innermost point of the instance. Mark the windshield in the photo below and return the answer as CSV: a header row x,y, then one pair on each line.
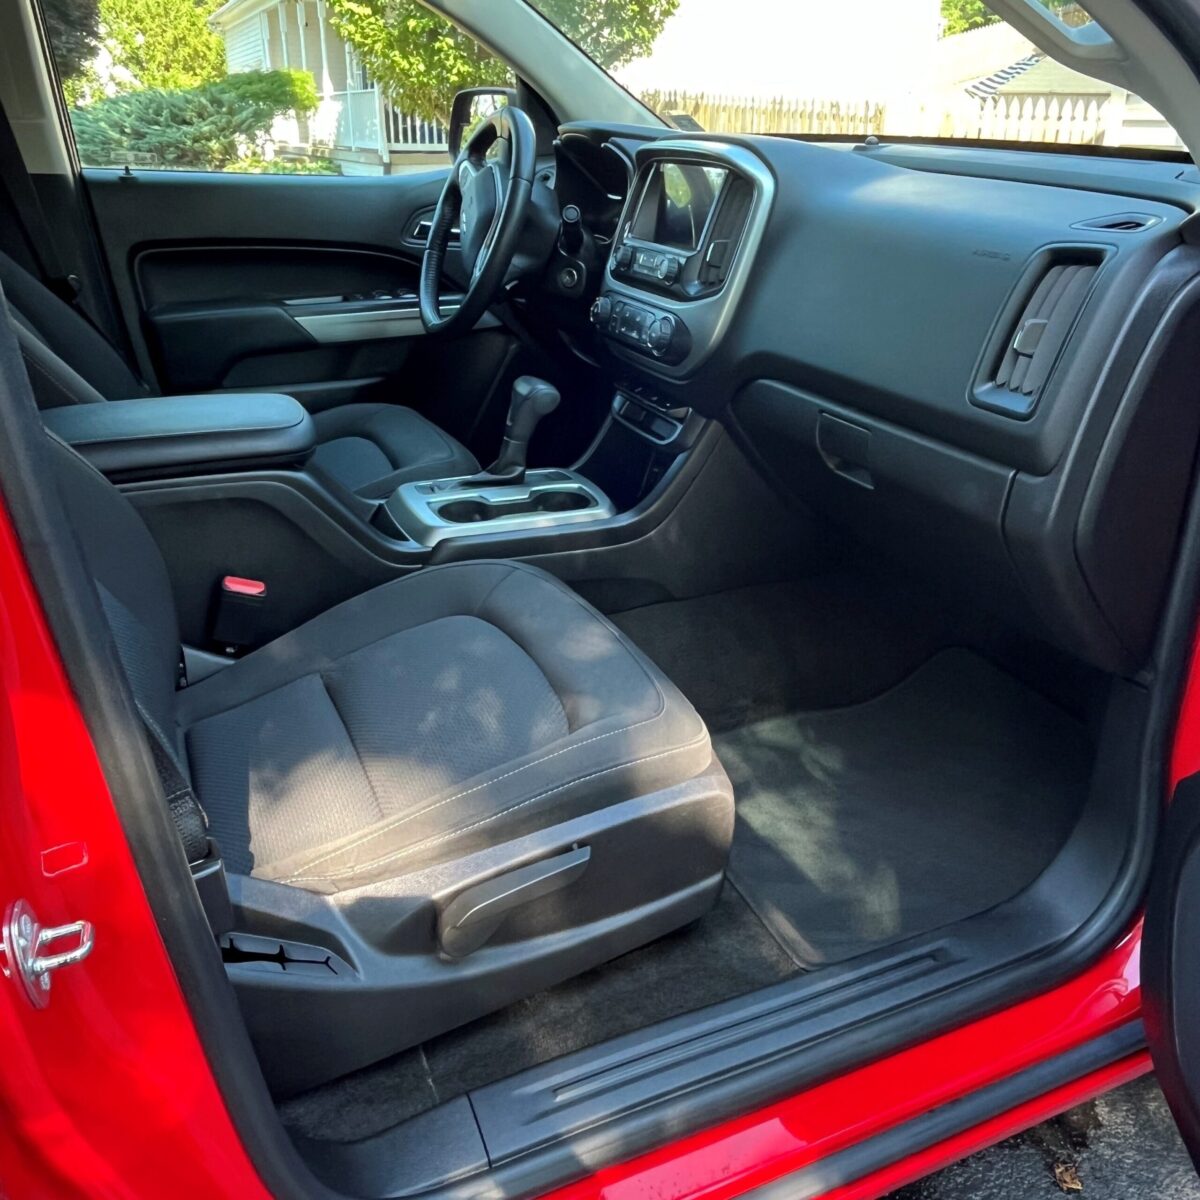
x,y
929,69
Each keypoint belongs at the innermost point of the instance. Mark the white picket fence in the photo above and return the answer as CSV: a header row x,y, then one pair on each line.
x,y
1081,120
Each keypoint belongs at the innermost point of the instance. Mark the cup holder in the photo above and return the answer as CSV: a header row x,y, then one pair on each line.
x,y
465,512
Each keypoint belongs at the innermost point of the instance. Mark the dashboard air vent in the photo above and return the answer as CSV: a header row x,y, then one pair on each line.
x,y
726,232
1043,327
1032,332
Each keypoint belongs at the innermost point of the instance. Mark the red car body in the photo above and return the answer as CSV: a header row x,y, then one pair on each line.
x,y
120,1028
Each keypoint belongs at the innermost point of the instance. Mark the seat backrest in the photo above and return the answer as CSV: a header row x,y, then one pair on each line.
x,y
131,578
65,335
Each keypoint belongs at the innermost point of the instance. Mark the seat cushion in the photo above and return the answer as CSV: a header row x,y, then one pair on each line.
x,y
373,448
451,710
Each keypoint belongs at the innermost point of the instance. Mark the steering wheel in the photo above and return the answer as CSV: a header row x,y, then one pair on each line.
x,y
487,192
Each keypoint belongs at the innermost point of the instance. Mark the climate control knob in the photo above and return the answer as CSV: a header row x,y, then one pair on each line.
x,y
660,336
601,311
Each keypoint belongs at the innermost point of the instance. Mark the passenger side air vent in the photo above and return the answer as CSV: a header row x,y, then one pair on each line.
x,y
726,232
1032,331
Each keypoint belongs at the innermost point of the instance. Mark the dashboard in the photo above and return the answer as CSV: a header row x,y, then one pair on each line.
x,y
977,361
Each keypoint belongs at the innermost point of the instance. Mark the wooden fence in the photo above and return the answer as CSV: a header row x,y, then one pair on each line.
x,y
1055,119
740,114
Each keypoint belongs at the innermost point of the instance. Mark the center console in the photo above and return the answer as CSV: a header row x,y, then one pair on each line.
x,y
429,512
692,222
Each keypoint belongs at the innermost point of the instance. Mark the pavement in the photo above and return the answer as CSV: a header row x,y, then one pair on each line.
x,y
1123,1146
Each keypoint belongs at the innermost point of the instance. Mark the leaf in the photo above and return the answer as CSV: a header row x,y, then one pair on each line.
x,y
1067,1177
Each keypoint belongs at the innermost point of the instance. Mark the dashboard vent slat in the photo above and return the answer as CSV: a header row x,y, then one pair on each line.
x,y
727,229
1043,328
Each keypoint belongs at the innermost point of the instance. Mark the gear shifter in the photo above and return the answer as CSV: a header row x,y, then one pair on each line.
x,y
532,399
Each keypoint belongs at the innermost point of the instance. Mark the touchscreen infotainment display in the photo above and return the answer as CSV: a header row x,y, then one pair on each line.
x,y
676,204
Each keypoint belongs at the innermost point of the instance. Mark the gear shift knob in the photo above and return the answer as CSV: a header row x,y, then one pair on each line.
x,y
532,399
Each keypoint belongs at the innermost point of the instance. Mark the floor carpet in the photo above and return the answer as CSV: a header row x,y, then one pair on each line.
x,y
938,799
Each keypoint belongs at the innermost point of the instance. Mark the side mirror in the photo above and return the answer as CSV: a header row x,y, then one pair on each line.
x,y
470,106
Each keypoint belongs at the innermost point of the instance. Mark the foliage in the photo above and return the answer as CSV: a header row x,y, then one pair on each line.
x,y
961,15
210,127
257,165
147,44
73,28
420,59
164,43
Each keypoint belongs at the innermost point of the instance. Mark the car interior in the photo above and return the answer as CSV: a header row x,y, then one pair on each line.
x,y
642,621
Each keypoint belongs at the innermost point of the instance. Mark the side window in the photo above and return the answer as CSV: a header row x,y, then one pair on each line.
x,y
298,87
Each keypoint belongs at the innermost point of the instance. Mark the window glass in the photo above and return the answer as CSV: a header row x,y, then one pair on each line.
x,y
917,68
321,87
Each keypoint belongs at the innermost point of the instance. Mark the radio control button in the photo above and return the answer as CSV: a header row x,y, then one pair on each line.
x,y
660,335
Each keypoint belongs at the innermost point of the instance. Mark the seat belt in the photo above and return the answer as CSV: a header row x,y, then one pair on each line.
x,y
191,823
39,236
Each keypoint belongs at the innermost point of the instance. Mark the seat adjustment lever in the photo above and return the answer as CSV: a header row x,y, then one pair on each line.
x,y
474,915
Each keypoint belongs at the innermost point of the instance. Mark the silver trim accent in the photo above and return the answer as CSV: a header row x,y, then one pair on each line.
x,y
416,506
369,325
707,318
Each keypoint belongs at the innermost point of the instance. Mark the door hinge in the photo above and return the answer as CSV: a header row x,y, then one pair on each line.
x,y
32,953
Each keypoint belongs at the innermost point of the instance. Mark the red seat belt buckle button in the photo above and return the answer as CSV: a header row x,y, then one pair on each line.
x,y
238,586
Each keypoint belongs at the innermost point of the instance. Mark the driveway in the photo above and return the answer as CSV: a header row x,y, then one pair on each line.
x,y
1123,1146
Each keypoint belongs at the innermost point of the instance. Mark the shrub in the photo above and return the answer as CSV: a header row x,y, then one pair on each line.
x,y
285,166
208,127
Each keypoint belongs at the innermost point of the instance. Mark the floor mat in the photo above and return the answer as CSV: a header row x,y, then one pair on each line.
x,y
864,825
725,954
754,652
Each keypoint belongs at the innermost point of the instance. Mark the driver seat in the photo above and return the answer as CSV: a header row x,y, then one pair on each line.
x,y
370,449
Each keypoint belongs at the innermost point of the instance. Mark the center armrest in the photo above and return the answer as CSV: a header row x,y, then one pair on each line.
x,y
171,435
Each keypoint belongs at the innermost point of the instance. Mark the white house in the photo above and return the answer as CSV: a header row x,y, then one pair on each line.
x,y
354,123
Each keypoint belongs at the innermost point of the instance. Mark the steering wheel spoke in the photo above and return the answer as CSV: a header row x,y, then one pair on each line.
x,y
488,190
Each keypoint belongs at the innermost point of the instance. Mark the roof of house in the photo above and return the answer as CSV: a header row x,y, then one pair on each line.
x,y
1052,78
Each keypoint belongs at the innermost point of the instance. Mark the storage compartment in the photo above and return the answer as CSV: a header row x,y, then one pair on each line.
x,y
933,509
430,511
178,435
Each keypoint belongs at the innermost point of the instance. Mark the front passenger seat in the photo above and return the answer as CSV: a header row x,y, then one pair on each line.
x,y
411,759
370,449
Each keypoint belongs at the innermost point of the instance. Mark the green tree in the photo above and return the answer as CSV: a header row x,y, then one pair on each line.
x,y
134,44
961,15
73,28
163,43
421,60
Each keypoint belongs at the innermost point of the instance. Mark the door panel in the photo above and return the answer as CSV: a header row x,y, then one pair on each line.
x,y
302,284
